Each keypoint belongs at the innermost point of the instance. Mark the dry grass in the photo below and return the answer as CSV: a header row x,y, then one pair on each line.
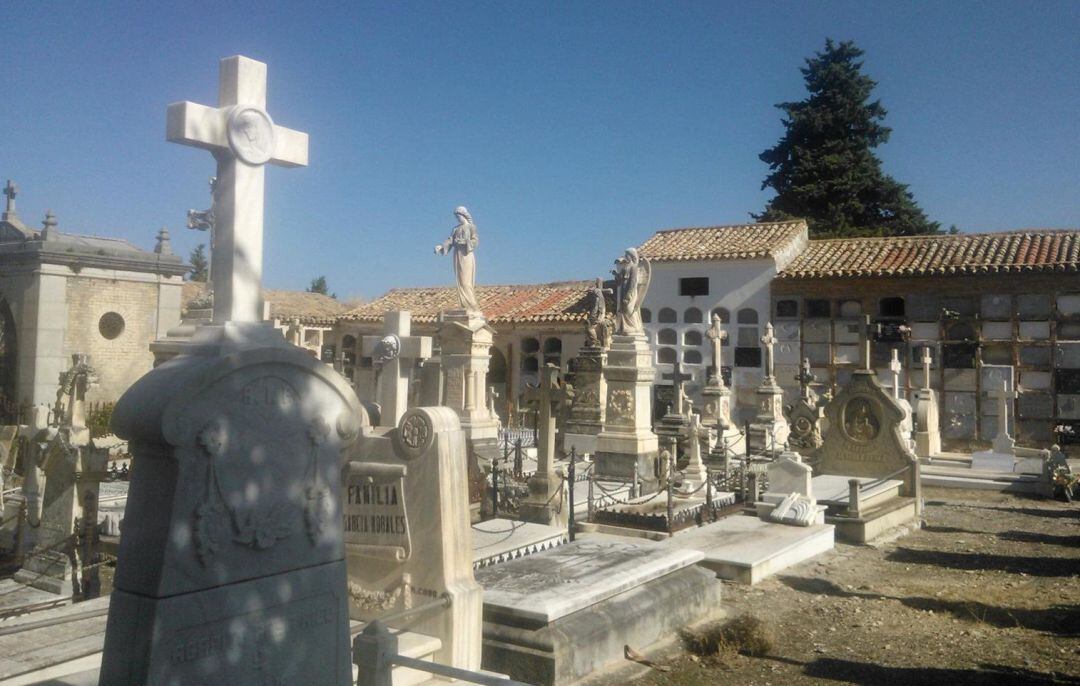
x,y
745,634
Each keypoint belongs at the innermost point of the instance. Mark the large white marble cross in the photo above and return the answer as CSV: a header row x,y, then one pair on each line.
x,y
242,138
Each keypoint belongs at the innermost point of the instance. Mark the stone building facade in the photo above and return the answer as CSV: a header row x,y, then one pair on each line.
x,y
63,293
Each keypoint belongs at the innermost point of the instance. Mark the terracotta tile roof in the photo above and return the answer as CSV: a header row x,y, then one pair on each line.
x,y
310,308
735,242
565,301
984,253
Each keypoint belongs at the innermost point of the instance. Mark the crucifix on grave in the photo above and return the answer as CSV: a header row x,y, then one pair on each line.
x,y
677,377
895,367
1003,442
542,504
926,361
769,340
395,354
243,139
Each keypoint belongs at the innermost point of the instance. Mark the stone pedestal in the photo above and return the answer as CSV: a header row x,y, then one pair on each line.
x,y
231,568
465,340
716,415
769,431
927,430
627,442
586,418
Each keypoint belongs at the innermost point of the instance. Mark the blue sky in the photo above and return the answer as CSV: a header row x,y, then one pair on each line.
x,y
570,130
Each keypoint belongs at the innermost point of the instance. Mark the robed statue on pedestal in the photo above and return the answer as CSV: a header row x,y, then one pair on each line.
x,y
463,241
632,276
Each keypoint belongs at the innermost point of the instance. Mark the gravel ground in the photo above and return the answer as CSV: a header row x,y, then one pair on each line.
x,y
987,592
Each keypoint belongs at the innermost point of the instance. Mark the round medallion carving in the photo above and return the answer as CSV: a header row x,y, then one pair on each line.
x,y
251,134
415,433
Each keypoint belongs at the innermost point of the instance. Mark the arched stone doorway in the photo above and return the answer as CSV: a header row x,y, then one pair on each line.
x,y
9,404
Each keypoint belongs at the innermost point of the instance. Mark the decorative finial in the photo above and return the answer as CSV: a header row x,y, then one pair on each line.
x,y
49,232
163,247
10,190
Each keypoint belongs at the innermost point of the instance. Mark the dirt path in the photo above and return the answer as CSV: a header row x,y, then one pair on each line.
x,y
987,593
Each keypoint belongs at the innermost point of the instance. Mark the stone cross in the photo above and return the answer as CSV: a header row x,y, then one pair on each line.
x,y
1003,442
10,190
717,336
395,353
768,340
549,396
926,366
243,138
895,367
677,377
696,473
869,330
805,377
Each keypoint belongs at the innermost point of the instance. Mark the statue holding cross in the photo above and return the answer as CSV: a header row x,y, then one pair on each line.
x,y
243,139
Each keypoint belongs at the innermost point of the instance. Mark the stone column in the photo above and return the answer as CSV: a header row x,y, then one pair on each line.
x,y
465,340
627,440
586,417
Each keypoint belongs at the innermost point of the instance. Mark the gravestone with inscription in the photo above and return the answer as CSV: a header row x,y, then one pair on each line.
x,y
231,568
407,533
586,416
627,445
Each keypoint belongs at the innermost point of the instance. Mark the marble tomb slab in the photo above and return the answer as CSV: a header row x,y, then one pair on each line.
x,y
544,587
498,540
746,549
833,489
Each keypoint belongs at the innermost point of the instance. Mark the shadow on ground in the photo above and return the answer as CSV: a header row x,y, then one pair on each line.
x,y
875,674
1032,566
1063,620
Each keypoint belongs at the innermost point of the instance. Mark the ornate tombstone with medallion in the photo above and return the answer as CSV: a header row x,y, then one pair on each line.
x,y
805,416
407,534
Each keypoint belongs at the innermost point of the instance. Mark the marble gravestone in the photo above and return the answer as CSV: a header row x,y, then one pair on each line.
x,y
395,353
231,568
927,428
769,430
407,534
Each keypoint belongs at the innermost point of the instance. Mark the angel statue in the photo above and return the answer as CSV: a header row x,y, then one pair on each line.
x,y
463,241
632,276
597,320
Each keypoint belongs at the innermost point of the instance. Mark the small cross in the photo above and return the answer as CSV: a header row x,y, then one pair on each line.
x,y
11,190
243,138
677,377
895,367
768,340
1003,442
398,352
550,394
926,366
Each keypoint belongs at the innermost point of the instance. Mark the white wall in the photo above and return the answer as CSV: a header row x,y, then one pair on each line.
x,y
734,285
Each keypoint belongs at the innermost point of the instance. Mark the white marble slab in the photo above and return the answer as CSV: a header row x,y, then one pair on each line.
x,y
499,540
747,549
575,576
990,461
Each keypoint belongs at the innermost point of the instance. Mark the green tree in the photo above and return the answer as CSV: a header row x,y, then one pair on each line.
x,y
199,264
824,169
318,285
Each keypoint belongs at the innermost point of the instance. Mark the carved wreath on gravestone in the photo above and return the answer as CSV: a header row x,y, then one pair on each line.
x,y
387,349
621,402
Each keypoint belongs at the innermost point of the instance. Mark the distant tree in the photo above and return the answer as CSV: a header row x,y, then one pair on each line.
x,y
199,264
824,169
318,285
